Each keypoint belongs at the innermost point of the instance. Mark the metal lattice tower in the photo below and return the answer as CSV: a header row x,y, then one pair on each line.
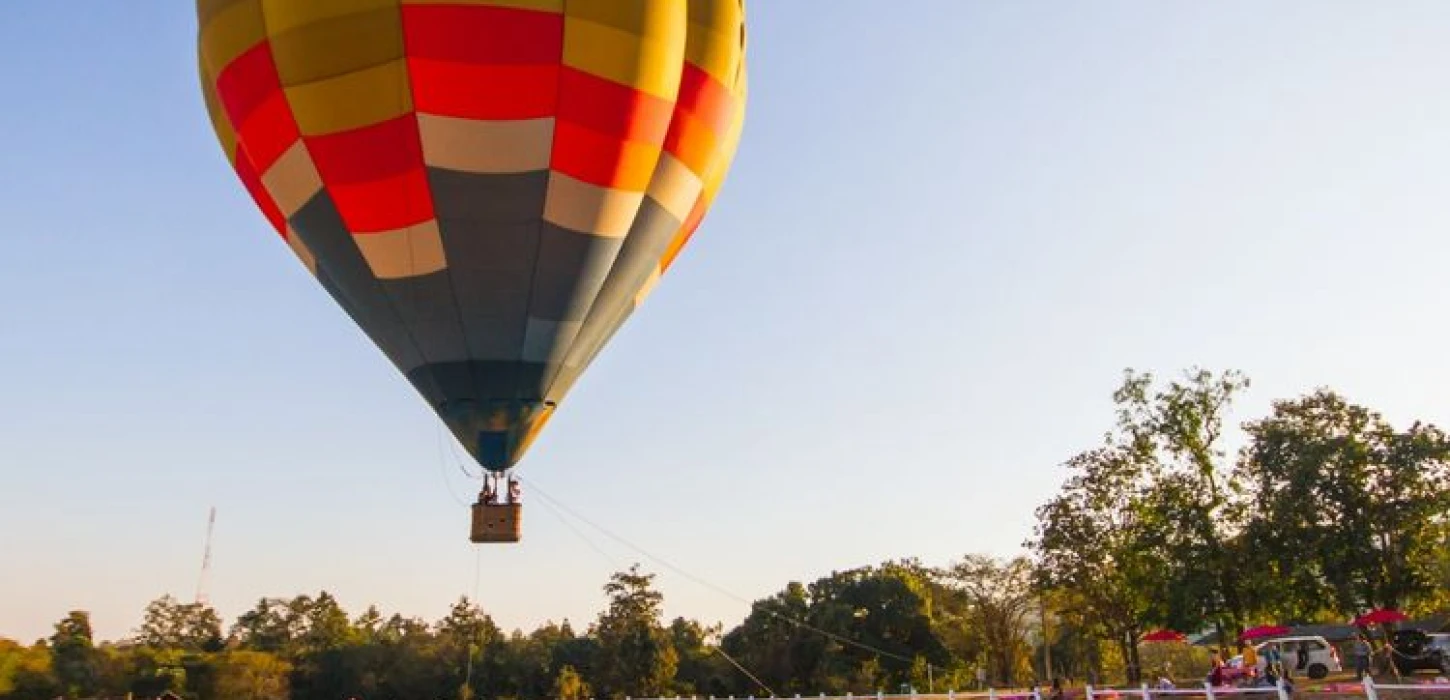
x,y
203,580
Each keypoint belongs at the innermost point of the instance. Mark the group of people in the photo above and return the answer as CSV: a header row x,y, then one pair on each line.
x,y
490,490
1248,673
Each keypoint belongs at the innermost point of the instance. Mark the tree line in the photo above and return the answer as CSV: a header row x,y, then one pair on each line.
x,y
1324,511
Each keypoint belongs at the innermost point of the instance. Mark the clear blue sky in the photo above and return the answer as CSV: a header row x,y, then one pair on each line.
x,y
949,228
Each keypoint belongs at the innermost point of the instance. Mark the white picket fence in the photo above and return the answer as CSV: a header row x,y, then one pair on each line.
x,y
1144,692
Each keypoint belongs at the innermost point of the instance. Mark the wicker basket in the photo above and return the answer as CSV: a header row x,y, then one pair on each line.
x,y
497,522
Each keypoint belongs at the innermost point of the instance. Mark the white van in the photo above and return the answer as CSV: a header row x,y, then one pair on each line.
x,y
1323,657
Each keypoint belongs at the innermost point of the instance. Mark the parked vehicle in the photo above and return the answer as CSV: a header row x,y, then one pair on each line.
x,y
1234,672
1441,641
1323,657
1414,650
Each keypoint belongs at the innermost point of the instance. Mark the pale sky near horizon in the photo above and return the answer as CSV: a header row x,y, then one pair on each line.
x,y
948,230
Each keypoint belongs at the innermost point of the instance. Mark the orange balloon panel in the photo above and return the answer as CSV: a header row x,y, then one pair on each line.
x,y
488,187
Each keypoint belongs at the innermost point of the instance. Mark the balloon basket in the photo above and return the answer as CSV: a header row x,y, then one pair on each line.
x,y
497,522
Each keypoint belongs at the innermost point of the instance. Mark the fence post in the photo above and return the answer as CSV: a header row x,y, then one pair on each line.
x,y
1036,693
991,693
1146,695
880,695
1088,691
951,694
1283,689
1208,690
1369,689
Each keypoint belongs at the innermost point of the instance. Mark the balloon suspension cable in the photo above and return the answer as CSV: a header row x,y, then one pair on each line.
x,y
534,487
616,563
719,650
443,469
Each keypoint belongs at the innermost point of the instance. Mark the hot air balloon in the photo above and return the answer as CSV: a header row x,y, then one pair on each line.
x,y
489,188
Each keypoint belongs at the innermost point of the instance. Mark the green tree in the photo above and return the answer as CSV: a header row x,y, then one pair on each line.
x,y
701,671
776,648
248,675
319,624
997,600
155,671
888,608
569,685
367,625
1177,433
858,631
26,673
73,655
266,627
1356,509
470,645
170,624
1091,541
11,656
636,656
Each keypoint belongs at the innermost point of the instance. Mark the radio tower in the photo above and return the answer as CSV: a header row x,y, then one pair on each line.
x,y
201,582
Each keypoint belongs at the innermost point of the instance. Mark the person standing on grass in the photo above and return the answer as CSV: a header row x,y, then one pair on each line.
x,y
1274,660
1361,657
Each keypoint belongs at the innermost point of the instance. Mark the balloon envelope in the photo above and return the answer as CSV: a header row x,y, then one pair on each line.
x,y
487,187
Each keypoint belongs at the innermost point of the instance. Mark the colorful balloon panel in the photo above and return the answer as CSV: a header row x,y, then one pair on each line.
x,y
489,188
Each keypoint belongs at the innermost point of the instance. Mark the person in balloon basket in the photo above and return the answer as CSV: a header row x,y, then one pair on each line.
x,y
490,491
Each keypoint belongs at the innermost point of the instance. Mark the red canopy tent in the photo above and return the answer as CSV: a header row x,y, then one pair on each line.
x,y
1164,635
1380,616
1264,631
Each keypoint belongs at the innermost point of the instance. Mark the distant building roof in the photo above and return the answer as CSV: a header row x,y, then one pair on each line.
x,y
1333,633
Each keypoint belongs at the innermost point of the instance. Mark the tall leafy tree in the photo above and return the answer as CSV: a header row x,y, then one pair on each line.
x,y
636,656
1093,539
170,624
266,627
74,658
27,673
1176,431
1354,509
776,649
857,630
701,670
469,648
248,675
998,599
